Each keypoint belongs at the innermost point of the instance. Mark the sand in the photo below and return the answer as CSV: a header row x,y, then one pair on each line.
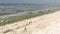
x,y
46,24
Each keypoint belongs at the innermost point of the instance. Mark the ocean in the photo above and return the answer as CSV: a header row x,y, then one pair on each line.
x,y
14,9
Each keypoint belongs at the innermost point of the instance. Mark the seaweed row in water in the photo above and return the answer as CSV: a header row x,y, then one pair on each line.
x,y
22,17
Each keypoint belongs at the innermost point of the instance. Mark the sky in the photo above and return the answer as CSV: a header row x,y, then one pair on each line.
x,y
31,1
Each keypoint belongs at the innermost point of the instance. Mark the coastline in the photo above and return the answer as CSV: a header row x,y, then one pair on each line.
x,y
38,25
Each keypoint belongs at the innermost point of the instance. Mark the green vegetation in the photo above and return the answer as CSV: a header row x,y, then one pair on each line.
x,y
23,17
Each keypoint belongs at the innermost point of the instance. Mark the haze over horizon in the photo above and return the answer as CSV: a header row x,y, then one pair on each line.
x,y
31,1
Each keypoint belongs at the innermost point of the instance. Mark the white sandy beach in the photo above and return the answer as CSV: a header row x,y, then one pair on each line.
x,y
46,24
